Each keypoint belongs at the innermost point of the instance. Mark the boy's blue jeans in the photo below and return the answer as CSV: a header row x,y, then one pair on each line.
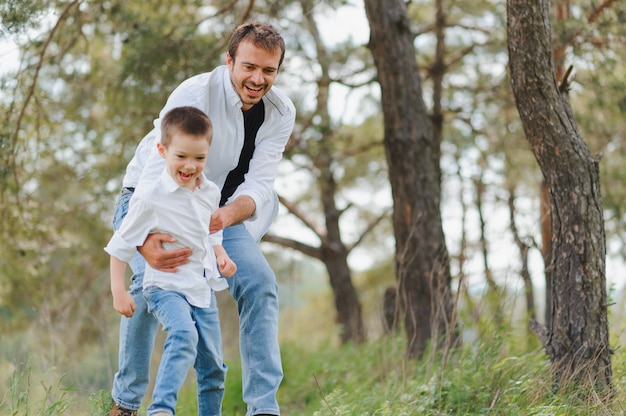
x,y
187,327
254,289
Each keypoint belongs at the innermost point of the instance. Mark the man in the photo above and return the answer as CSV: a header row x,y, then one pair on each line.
x,y
252,121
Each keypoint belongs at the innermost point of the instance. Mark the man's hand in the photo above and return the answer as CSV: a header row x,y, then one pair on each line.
x,y
161,259
218,220
240,209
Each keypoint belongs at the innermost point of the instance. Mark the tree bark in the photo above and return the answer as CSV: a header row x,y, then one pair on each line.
x,y
561,13
412,153
577,338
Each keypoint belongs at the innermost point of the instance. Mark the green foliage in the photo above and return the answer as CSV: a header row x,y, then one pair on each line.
x,y
45,397
18,15
499,376
100,403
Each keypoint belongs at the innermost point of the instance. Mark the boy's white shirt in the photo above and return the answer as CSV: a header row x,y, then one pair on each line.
x,y
167,207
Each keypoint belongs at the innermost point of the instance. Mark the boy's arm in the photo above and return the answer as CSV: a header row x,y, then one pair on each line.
x,y
123,302
226,266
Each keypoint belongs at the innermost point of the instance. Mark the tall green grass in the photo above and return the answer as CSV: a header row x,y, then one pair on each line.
x,y
501,374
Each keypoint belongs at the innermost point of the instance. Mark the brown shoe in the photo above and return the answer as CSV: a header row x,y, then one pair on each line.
x,y
118,410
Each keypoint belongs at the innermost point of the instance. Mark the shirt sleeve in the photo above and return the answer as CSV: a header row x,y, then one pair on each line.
x,y
215,239
137,224
214,200
153,167
137,163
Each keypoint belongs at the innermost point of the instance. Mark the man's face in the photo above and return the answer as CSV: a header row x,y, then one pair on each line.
x,y
252,72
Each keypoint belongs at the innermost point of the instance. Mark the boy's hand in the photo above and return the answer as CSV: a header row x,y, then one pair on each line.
x,y
124,304
226,266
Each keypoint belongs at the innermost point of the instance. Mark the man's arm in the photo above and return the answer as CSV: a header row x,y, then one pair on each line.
x,y
240,209
164,260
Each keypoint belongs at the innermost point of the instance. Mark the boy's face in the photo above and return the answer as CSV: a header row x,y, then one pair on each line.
x,y
185,158
252,72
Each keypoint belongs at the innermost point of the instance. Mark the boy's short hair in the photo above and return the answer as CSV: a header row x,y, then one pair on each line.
x,y
261,35
188,120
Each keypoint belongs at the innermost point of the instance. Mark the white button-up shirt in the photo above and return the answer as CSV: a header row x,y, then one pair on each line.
x,y
167,207
213,93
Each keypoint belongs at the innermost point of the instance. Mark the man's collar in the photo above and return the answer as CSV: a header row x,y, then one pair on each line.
x,y
231,94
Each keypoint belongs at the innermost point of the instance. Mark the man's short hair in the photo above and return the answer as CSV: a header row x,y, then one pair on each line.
x,y
261,35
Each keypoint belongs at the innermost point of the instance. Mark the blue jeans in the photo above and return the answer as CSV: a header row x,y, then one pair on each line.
x,y
187,327
254,289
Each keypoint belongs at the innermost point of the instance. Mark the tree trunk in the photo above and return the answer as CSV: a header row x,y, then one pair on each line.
x,y
335,257
561,13
334,251
577,338
494,298
412,153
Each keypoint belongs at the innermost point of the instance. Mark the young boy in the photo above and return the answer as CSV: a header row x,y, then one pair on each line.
x,y
180,202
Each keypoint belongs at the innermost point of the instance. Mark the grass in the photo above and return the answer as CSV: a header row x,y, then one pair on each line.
x,y
500,375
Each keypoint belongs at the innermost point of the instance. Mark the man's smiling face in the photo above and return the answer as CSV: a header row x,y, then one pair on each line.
x,y
252,72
